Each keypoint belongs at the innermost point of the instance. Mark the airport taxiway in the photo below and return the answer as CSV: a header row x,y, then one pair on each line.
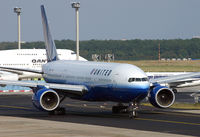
x,y
18,117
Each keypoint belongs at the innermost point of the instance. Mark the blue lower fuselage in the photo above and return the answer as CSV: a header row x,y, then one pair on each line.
x,y
116,94
108,92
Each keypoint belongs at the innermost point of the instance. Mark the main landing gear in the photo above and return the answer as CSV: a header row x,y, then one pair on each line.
x,y
58,111
120,108
131,109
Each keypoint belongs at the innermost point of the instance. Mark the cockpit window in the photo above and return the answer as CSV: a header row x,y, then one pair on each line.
x,y
144,79
137,79
73,53
131,79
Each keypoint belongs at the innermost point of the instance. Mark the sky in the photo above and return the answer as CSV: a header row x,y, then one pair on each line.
x,y
102,19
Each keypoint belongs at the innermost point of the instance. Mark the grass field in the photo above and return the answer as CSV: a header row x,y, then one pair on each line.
x,y
166,66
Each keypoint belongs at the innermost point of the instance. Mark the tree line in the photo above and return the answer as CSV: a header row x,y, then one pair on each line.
x,y
124,49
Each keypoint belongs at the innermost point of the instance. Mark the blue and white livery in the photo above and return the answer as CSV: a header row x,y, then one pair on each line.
x,y
92,81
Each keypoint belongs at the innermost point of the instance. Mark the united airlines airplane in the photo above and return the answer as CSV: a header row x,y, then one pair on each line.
x,y
93,81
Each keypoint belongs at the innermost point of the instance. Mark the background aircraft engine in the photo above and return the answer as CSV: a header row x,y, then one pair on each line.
x,y
161,97
46,99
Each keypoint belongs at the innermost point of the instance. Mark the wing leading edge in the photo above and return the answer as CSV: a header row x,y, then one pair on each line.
x,y
20,70
73,89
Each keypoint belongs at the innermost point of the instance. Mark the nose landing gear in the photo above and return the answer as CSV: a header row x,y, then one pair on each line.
x,y
131,109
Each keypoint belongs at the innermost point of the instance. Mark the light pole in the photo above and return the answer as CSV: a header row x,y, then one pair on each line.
x,y
18,11
76,5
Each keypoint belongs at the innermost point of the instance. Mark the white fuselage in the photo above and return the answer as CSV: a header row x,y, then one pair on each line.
x,y
92,71
96,75
31,58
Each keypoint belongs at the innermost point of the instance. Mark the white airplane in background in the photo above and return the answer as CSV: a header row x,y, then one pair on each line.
x,y
93,81
182,83
28,59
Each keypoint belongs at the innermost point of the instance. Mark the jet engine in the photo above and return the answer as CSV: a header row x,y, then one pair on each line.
x,y
46,99
161,97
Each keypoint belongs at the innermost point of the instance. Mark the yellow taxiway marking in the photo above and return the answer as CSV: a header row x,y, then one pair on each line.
x,y
5,106
168,121
145,119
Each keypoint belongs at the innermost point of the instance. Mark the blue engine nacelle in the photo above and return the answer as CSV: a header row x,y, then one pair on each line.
x,y
161,97
46,99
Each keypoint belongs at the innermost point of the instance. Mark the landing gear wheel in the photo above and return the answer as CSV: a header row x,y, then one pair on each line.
x,y
119,109
133,114
58,111
133,107
115,109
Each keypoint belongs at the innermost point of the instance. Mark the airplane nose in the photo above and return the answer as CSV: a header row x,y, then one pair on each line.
x,y
143,90
144,86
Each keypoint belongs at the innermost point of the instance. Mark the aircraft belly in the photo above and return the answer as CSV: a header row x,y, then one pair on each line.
x,y
115,94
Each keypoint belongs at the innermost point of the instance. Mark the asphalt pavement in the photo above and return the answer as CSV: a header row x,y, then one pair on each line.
x,y
93,119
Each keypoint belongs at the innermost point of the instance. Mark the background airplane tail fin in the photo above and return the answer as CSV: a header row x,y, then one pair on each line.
x,y
49,42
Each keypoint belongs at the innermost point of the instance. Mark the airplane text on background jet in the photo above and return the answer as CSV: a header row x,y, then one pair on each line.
x,y
28,59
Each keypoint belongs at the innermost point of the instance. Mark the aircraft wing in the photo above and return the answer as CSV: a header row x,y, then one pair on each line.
x,y
20,70
73,89
176,79
12,71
